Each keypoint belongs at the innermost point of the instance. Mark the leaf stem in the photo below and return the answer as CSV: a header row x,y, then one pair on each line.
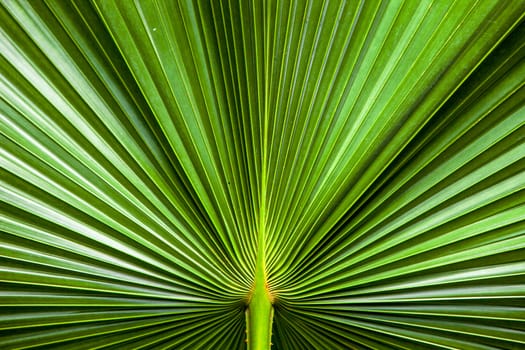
x,y
259,314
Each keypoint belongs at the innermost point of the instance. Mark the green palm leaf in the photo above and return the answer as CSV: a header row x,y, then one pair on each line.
x,y
226,174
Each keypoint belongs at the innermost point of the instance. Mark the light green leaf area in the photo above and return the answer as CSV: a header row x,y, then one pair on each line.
x,y
240,174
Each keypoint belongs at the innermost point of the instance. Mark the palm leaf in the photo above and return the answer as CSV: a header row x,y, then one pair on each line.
x,y
206,174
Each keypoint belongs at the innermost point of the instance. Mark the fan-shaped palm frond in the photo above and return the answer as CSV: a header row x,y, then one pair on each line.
x,y
315,174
